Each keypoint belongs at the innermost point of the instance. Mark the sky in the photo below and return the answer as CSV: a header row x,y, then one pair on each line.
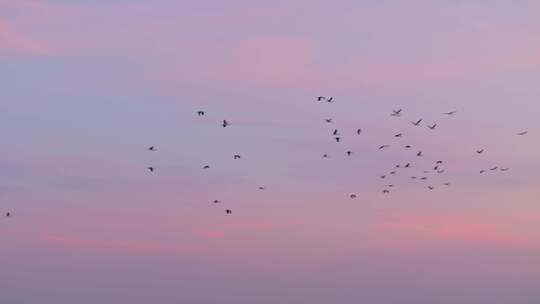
x,y
88,86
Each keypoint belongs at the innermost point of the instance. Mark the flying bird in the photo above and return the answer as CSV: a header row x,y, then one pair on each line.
x,y
325,156
439,162
358,131
321,98
206,167
480,151
408,146
440,171
419,154
423,178
393,172
447,184
523,133
200,113
8,214
383,176
385,191
228,211
482,171
216,201
152,148
433,126
337,139
396,112
407,165
335,132
329,120
331,99
151,169
494,168
261,188
450,113
398,135
505,169
236,156
431,187
417,123
349,153
225,123
383,146
353,195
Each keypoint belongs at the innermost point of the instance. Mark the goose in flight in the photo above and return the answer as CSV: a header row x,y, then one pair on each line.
x,y
494,168
523,133
433,126
439,162
383,147
225,123
335,132
398,135
480,151
228,211
329,120
440,171
152,148
383,176
331,99
505,169
450,113
423,178
151,169
393,172
413,177
419,154
325,156
407,165
349,153
416,123
261,188
8,214
337,139
321,98
396,112
353,195
386,191
216,201
408,146
358,131
236,156
391,186
482,171
200,113
431,187
206,167
447,184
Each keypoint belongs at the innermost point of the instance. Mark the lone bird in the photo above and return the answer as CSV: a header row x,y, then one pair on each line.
x,y
408,146
331,99
329,120
338,139
522,133
419,154
225,123
206,167
8,214
383,176
349,153
152,148
447,184
216,201
325,156
396,112
439,162
228,211
383,147
450,113
482,171
480,151
261,188
431,187
353,195
398,135
200,113
433,126
416,123
151,169
236,156
321,98
358,131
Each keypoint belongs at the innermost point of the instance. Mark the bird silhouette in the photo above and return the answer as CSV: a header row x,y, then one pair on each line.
x,y
225,123
523,133
349,153
338,139
408,146
450,113
358,131
407,165
335,132
482,171
236,156
398,135
353,195
331,99
151,169
228,211
480,151
505,169
8,214
261,188
325,156
439,162
433,126
416,123
216,201
431,187
152,148
383,176
206,167
447,184
494,168
383,147
386,191
321,98
200,113
329,120
396,112
419,154
440,171
393,172
423,178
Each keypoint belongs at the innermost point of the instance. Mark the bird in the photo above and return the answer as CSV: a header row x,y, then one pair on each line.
x,y
200,113
337,139
151,169
216,201
228,211
236,156
386,191
8,214
482,171
447,184
439,162
398,166
396,112
523,133
328,120
325,156
480,151
431,187
450,113
393,172
398,135
225,123
494,168
416,123
408,146
331,99
383,176
436,168
261,188
358,131
413,177
419,154
206,167
383,146
423,178
349,153
335,132
353,195
440,171
433,126
407,165
152,148
427,171
505,169
321,98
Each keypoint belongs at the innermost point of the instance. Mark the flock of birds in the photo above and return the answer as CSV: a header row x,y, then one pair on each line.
x,y
437,166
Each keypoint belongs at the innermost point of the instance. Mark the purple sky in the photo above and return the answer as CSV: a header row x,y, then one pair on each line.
x,y
87,86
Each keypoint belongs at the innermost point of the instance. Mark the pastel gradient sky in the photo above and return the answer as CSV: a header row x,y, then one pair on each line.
x,y
87,86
